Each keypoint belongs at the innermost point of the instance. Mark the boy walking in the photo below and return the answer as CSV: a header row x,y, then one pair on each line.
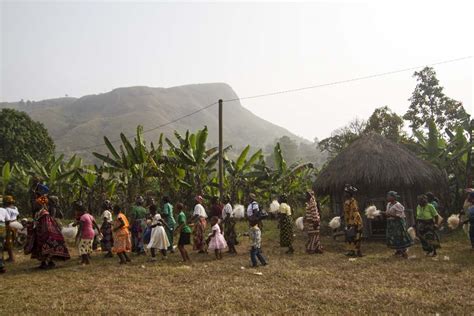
x,y
256,244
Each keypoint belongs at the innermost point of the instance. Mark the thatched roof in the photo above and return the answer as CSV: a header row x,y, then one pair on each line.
x,y
374,162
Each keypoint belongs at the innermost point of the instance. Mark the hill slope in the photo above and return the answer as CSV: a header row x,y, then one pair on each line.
x,y
76,123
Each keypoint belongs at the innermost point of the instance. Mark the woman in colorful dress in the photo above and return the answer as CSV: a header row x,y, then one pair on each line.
x,y
397,235
46,242
86,234
9,205
312,224
121,235
285,224
200,224
354,224
107,241
426,224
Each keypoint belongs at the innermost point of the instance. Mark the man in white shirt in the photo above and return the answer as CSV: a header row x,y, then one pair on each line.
x,y
253,208
4,222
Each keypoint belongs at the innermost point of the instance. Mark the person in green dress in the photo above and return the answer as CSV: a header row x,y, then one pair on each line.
x,y
426,224
184,232
169,219
138,223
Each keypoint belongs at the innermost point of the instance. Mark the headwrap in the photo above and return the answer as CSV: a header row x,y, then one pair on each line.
x,y
107,215
253,196
393,194
350,189
41,189
199,198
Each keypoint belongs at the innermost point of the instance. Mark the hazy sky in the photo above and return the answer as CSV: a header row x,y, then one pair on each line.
x,y
49,49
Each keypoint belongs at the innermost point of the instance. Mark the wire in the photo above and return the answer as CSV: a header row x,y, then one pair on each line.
x,y
347,80
277,93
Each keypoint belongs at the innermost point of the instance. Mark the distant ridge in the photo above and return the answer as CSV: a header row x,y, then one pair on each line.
x,y
82,122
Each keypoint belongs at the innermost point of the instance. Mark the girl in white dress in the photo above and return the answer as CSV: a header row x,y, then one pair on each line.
x,y
216,240
158,239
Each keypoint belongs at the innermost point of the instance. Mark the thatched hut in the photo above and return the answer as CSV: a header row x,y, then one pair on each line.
x,y
376,165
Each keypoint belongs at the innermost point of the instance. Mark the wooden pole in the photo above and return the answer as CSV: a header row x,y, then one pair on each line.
x,y
221,152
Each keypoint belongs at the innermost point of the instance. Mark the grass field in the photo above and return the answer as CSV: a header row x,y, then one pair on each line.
x,y
313,284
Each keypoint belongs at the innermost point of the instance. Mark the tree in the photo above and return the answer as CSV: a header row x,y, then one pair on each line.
x,y
20,136
289,148
343,137
386,123
428,102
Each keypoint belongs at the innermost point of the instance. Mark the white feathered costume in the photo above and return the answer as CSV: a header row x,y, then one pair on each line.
x,y
158,239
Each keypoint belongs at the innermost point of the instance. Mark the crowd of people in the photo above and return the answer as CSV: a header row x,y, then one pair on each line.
x,y
151,230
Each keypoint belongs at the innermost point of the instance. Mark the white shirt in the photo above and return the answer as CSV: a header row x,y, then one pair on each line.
x,y
199,211
13,212
227,210
4,215
252,208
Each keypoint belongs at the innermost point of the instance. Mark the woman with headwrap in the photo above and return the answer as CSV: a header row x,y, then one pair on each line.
x,y
353,220
312,223
200,223
286,224
426,224
397,235
46,243
107,240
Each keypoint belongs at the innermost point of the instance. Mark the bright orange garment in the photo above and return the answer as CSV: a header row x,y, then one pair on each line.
x,y
121,237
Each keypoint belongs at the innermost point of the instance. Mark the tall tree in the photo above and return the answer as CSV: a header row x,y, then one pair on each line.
x,y
428,102
386,123
20,137
343,137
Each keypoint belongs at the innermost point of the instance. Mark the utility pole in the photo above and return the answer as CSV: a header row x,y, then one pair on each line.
x,y
221,152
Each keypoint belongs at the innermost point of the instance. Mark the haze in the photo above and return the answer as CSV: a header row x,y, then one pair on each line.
x,y
52,49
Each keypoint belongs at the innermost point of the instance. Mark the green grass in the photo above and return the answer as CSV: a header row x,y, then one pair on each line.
x,y
328,283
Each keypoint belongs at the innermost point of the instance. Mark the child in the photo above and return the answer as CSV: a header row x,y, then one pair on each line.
x,y
107,240
121,235
158,239
216,240
184,232
85,234
256,244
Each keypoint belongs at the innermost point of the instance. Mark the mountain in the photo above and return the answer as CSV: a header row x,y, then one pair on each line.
x,y
75,123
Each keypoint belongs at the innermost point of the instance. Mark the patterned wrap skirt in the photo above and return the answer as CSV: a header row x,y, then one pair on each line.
x,y
107,241
10,240
85,247
397,235
229,231
45,240
122,241
198,234
286,231
427,234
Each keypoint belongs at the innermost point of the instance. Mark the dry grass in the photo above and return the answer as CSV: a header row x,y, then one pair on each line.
x,y
301,283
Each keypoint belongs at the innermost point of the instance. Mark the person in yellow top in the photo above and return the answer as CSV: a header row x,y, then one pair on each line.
x,y
121,235
353,222
427,219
